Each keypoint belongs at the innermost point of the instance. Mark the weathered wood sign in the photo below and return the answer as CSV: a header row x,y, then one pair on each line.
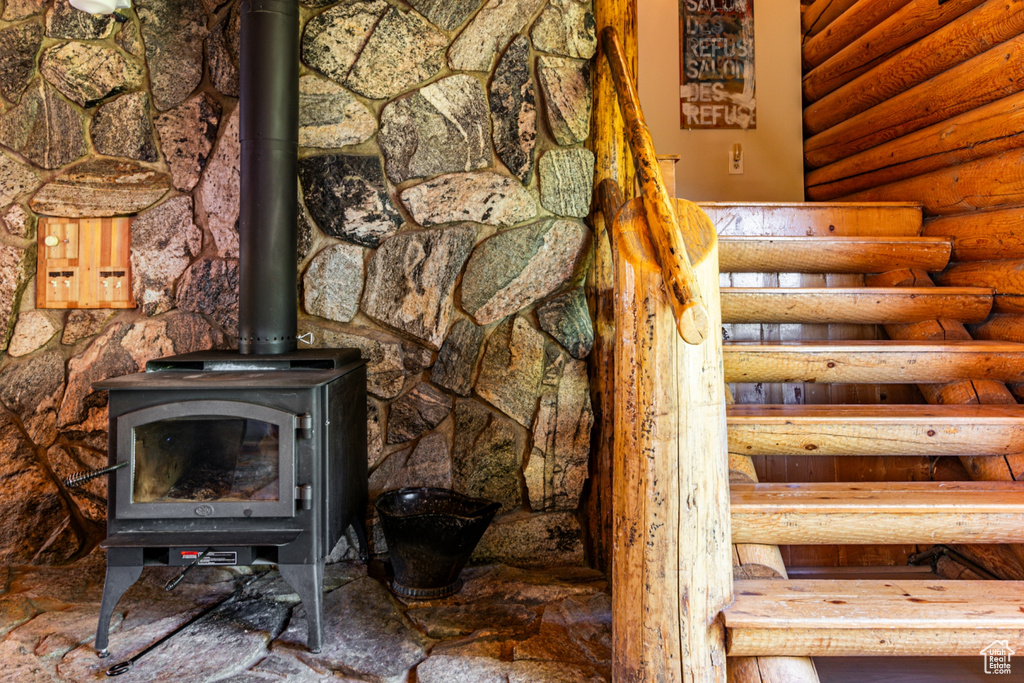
x,y
716,65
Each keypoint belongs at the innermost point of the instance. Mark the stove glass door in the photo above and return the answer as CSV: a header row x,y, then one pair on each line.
x,y
207,458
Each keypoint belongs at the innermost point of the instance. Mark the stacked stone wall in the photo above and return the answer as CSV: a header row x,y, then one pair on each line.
x,y
443,181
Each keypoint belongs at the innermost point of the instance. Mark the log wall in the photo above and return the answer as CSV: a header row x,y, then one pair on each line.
x,y
937,119
917,101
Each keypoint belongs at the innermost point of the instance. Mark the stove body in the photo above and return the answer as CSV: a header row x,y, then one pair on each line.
x,y
256,459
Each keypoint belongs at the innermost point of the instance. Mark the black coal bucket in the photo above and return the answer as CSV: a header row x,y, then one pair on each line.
x,y
431,533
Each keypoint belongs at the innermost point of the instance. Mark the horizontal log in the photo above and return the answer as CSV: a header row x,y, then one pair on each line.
x,y
820,14
851,430
993,74
916,19
873,362
983,235
1005,277
981,29
983,184
989,130
852,24
743,254
1000,327
1008,303
878,512
854,305
814,617
837,219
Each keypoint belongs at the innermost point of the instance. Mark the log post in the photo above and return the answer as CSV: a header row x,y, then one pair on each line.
x,y
613,163
672,571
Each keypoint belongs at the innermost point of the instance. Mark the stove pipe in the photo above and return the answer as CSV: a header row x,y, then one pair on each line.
x,y
268,133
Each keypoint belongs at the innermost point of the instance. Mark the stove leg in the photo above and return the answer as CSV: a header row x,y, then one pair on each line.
x,y
364,548
308,581
118,580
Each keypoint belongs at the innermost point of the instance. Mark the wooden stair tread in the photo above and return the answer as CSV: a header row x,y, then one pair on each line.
x,y
865,603
966,496
815,218
821,617
817,617
896,346
859,305
873,362
830,430
829,254
878,512
875,413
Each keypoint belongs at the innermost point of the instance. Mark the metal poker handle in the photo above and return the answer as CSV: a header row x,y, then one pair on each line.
x,y
79,478
173,583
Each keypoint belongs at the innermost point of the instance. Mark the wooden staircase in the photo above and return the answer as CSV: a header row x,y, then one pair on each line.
x,y
864,617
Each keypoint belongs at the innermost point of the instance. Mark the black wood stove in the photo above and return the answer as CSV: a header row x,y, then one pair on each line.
x,y
255,456
235,460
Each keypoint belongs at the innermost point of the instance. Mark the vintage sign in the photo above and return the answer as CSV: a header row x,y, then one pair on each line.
x,y
716,65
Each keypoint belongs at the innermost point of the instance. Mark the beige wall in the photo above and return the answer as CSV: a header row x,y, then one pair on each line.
x,y
772,153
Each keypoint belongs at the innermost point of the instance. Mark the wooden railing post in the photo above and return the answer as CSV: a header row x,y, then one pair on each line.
x,y
672,570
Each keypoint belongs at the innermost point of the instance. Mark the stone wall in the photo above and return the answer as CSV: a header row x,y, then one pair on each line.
x,y
443,183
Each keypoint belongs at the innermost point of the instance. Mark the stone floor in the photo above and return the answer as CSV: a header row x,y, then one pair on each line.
x,y
505,626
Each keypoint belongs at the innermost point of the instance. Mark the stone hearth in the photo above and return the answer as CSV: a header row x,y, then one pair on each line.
x,y
505,625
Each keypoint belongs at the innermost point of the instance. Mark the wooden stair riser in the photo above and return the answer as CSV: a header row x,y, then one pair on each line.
x,y
745,254
865,306
873,362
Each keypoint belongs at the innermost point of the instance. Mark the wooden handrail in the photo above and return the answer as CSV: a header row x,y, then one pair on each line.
x,y
667,237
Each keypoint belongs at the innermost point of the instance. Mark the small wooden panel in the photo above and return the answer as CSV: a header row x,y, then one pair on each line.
x,y
891,219
873,362
84,263
878,512
862,305
748,254
826,430
873,617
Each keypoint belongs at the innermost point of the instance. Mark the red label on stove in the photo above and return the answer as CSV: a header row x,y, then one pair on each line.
x,y
213,558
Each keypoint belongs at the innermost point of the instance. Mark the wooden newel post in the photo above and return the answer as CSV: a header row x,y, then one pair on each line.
x,y
672,572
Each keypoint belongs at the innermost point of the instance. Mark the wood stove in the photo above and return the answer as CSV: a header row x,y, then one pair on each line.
x,y
235,460
255,456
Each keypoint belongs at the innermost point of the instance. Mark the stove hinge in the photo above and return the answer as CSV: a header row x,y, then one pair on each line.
x,y
304,425
304,496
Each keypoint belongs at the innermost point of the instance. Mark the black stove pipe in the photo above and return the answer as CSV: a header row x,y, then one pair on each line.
x,y
268,133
